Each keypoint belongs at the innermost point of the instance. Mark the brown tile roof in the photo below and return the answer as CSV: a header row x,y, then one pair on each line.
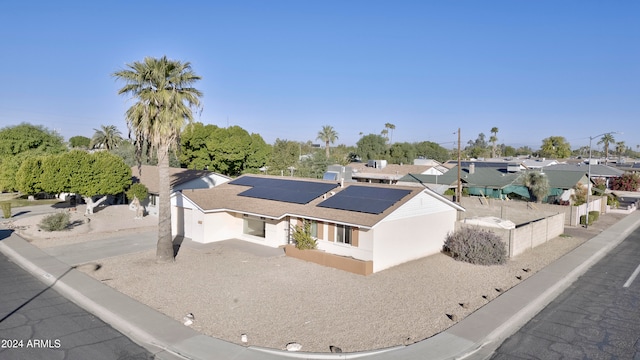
x,y
150,178
225,197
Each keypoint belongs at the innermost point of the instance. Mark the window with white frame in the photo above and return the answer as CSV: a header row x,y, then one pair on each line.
x,y
314,228
343,234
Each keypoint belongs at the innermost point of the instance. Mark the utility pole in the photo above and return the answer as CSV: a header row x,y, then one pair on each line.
x,y
459,192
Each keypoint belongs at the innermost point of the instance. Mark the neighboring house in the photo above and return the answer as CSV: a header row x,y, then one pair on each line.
x,y
181,179
378,224
379,172
499,183
598,171
538,163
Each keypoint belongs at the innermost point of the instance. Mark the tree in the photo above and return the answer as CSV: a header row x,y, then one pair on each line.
x,y
328,135
538,185
108,137
28,176
620,149
555,147
166,98
493,139
88,175
372,147
478,148
431,150
390,127
626,182
606,139
402,153
284,154
25,137
81,142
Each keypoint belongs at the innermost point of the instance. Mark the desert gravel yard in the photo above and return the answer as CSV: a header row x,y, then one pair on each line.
x,y
233,289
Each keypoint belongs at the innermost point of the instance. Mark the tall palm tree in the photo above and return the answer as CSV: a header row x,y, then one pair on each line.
x,y
390,128
329,135
620,149
493,139
108,137
606,139
165,99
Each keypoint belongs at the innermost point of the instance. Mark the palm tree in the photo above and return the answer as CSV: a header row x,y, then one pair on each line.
x,y
493,139
390,128
165,99
537,183
329,135
606,139
109,137
620,149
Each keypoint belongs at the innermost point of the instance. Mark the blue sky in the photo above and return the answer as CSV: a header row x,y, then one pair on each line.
x,y
283,69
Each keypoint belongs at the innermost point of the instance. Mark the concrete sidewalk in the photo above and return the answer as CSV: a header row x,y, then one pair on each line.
x,y
475,337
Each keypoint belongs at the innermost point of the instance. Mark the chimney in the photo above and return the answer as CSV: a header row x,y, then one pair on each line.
x,y
472,168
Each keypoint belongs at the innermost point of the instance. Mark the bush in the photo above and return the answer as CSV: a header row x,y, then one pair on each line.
x,y
137,190
476,246
6,209
593,216
302,237
55,222
613,202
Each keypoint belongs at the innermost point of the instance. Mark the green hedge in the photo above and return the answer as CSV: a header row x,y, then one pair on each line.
x,y
593,217
6,209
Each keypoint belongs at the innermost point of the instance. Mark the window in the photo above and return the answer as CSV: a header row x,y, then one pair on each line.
x,y
343,234
255,227
314,229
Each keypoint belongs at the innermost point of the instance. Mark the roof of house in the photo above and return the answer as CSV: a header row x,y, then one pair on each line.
x,y
148,175
226,197
389,172
490,177
597,170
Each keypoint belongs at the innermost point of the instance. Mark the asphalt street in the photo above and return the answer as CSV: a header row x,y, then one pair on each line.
x,y
36,322
597,317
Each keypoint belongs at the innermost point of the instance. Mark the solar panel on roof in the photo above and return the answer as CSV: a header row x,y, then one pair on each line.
x,y
371,200
293,191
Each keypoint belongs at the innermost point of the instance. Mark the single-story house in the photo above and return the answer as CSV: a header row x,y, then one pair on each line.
x,y
181,179
598,171
380,224
379,171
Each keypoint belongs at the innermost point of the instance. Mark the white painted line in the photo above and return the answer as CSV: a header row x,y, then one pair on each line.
x,y
632,277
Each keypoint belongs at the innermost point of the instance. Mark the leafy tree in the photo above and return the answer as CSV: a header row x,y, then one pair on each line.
x,y
524,150
329,135
626,182
343,154
231,151
507,150
314,166
478,148
431,150
285,153
25,137
606,139
166,98
372,147
402,153
555,147
28,177
107,137
493,139
538,185
85,174
81,142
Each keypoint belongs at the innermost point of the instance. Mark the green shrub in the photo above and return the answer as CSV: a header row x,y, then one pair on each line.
x,y
302,236
137,190
613,201
6,209
593,216
476,246
55,222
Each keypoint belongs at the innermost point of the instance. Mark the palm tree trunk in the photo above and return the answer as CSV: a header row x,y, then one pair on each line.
x,y
326,148
164,250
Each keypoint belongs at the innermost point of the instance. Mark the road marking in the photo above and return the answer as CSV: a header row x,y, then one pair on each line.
x,y
632,277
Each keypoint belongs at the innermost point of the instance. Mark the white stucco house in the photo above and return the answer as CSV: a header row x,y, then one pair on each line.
x,y
181,179
382,225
